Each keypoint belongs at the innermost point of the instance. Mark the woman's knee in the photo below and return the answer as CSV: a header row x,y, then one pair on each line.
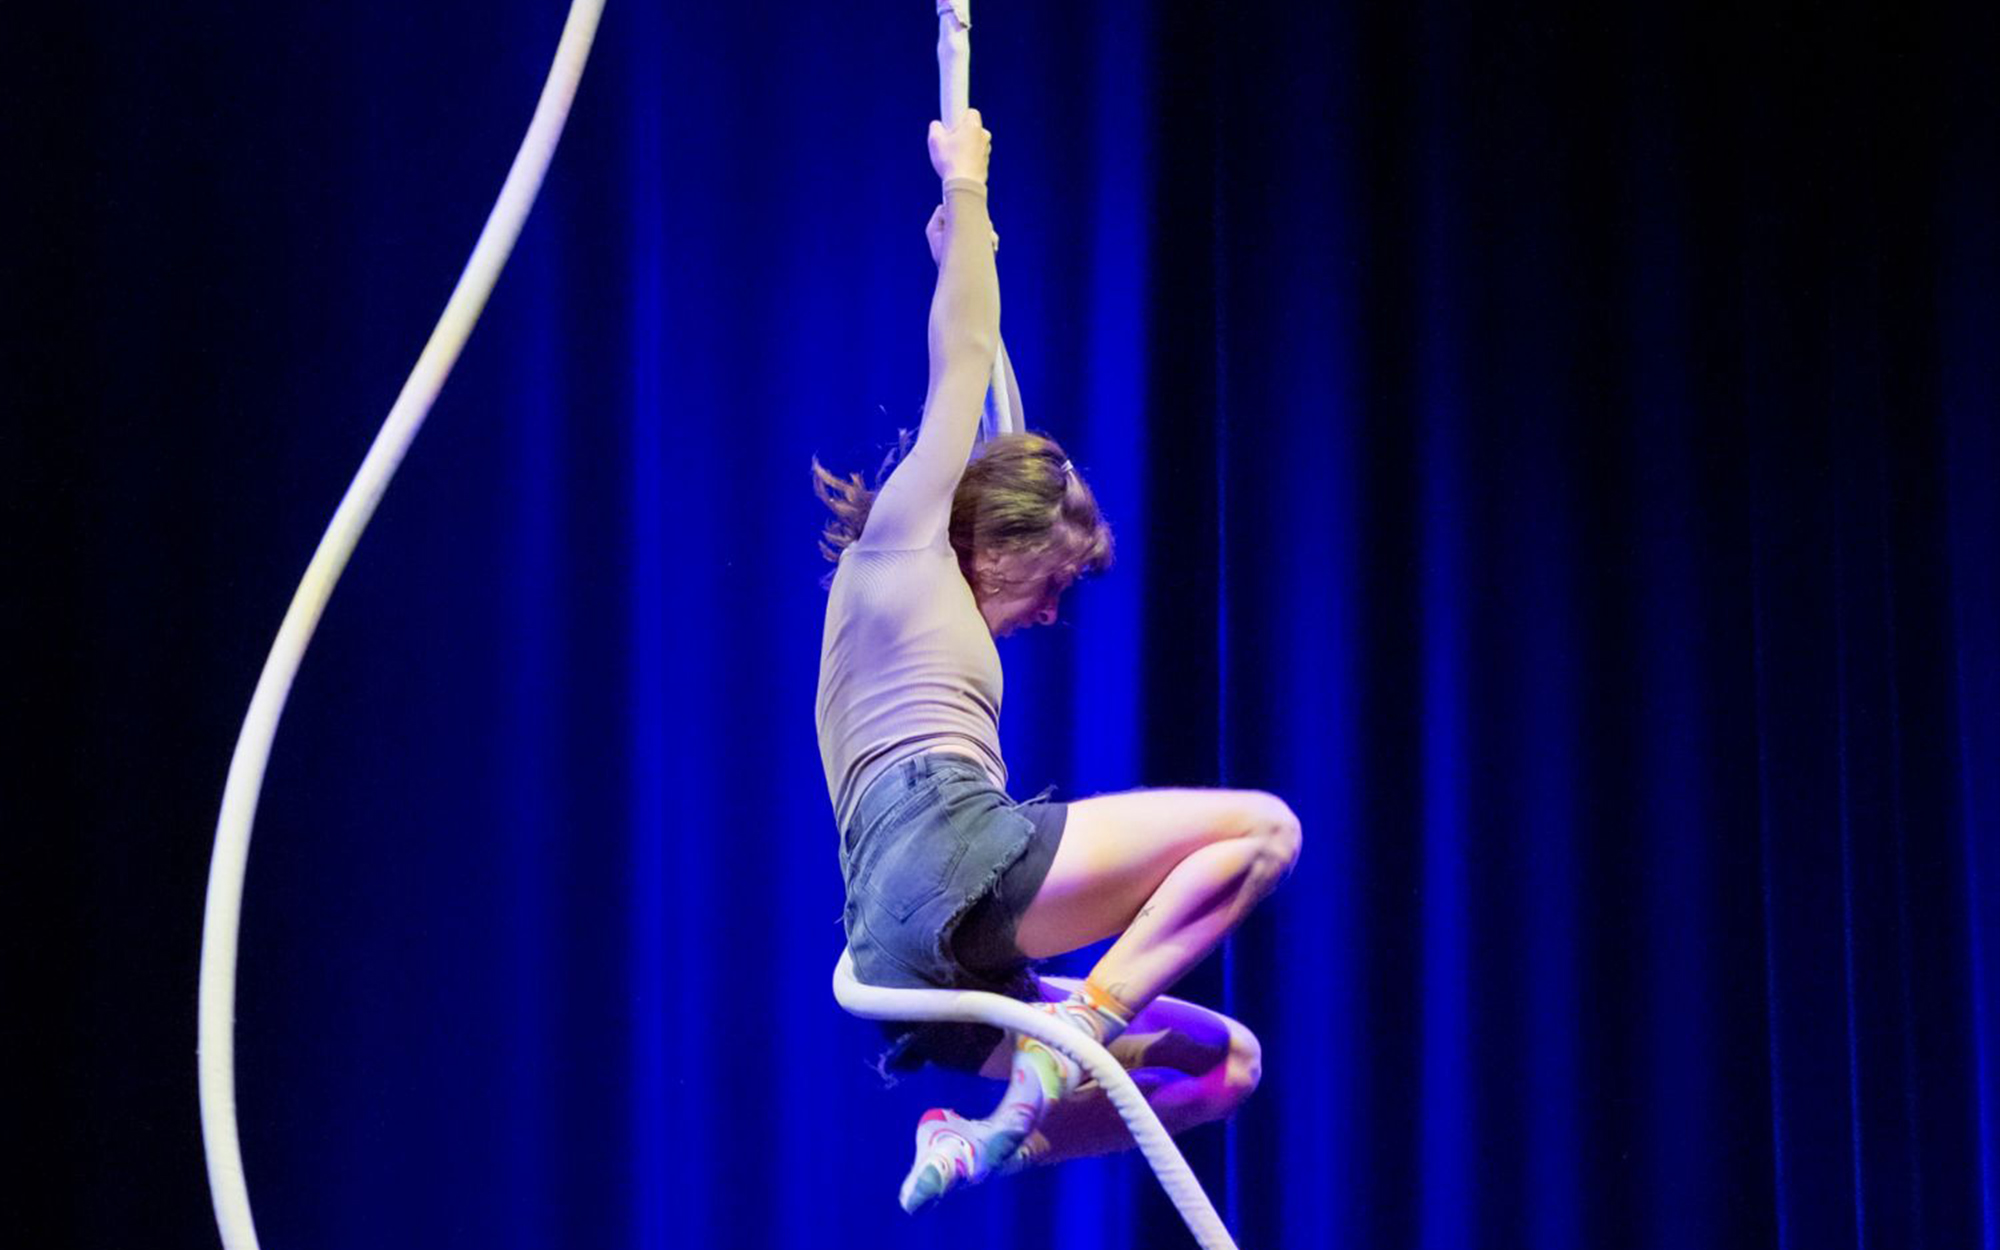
x,y
1242,1068
1278,832
1261,849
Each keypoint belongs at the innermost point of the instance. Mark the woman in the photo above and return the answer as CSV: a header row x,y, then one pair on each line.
x,y
950,882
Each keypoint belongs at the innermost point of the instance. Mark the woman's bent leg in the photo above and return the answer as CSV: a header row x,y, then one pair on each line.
x,y
1193,1065
1175,871
1172,871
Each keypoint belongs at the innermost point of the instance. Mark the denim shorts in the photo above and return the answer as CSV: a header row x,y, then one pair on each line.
x,y
939,865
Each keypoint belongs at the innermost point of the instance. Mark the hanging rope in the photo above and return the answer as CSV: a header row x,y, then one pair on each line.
x,y
215,1047
1002,413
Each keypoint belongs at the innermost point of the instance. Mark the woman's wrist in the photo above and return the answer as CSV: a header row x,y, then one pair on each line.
x,y
963,182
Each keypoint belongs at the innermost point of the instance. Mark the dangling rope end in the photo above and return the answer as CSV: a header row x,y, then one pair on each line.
x,y
222,914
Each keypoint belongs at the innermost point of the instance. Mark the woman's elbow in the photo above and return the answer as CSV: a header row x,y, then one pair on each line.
x,y
970,345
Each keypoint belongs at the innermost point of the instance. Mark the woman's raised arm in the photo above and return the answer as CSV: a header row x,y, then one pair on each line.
x,y
915,503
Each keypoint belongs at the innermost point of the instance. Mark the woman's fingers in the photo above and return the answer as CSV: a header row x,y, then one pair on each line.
x,y
960,151
934,232
963,150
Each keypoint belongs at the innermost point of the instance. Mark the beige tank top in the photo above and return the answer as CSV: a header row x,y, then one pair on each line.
x,y
906,666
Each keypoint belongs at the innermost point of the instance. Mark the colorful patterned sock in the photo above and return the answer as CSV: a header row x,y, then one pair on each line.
x,y
954,1151
1090,1008
1025,1156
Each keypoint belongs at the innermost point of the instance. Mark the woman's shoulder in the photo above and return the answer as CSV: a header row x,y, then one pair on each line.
x,y
860,549
894,579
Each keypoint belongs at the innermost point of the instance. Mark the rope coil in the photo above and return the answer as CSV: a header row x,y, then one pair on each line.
x,y
872,1002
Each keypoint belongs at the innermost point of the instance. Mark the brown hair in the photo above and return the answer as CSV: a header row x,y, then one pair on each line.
x,y
1016,498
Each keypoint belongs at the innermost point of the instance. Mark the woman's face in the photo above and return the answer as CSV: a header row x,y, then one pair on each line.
x,y
1014,592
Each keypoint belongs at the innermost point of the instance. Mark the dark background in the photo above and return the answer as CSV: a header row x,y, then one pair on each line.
x,y
1553,446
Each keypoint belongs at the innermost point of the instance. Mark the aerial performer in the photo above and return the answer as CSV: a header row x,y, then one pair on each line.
x,y
950,883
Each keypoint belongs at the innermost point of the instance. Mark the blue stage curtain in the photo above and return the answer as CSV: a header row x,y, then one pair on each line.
x,y
1554,447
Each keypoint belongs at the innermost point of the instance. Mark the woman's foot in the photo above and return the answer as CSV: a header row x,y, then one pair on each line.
x,y
953,1151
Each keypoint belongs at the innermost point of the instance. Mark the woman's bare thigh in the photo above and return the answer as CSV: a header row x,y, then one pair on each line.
x,y
1169,1033
1115,851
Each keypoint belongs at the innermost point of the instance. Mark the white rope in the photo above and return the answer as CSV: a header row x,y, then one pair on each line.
x,y
217,995
1003,413
874,1002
